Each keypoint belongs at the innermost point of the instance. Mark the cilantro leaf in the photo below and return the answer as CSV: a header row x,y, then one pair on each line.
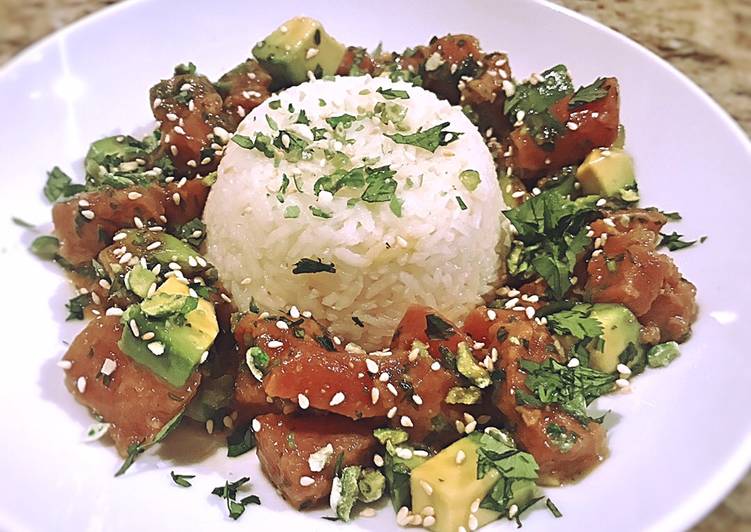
x,y
306,265
572,388
192,232
392,94
588,94
76,306
380,184
242,440
60,185
553,508
45,247
344,120
437,328
136,449
430,139
576,322
228,492
181,480
674,241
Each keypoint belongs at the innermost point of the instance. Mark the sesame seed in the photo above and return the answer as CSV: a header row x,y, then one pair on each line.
x,y
371,365
391,413
256,425
459,426
403,452
470,427
622,383
426,487
134,328
337,399
378,460
81,384
384,377
511,303
512,511
460,457
173,150
226,297
133,195
402,516
95,298
428,511
65,364
435,366
392,389
113,311
302,401
228,422
375,394
273,344
204,355
530,312
428,521
210,426
573,126
573,363
174,266
156,347
406,421
306,481
475,506
367,512
126,257
176,198
337,340
89,215
491,314
601,202
472,522
282,325
417,399
294,313
623,369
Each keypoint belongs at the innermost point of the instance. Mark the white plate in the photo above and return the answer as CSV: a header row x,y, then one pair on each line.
x,y
679,441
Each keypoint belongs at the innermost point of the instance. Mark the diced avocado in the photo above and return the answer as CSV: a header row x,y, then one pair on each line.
x,y
399,461
463,396
620,338
448,483
180,339
468,367
395,436
608,173
140,280
661,355
371,485
114,154
348,492
297,47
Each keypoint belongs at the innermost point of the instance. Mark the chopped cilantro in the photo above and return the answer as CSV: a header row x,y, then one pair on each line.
x,y
344,120
22,223
242,440
577,322
460,201
672,216
437,328
183,69
380,184
292,211
588,94
192,232
76,306
553,508
320,213
470,179
302,118
551,234
393,94
275,104
306,265
674,241
430,139
181,480
136,449
661,355
59,185
272,123
228,492
572,388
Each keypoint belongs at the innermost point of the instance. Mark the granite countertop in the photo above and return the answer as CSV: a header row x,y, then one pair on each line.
x,y
709,40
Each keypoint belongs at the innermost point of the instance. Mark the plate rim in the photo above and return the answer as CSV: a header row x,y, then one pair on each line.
x,y
725,478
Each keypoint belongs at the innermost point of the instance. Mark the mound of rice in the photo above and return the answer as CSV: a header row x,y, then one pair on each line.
x,y
444,249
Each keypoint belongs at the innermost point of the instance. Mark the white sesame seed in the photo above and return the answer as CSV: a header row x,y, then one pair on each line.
x,y
176,198
428,511
402,516
367,512
228,422
375,394
406,421
623,369
294,313
428,521
134,328
273,344
573,363
601,202
306,481
417,399
472,522
470,427
491,314
403,452
573,126
435,366
392,389
89,215
512,511
307,314
391,413
337,399
156,347
81,384
384,377
95,298
113,311
302,401
530,312
475,506
225,297
371,365
622,383
204,355
426,487
518,194
460,457
337,340
65,364
256,425
282,325
459,426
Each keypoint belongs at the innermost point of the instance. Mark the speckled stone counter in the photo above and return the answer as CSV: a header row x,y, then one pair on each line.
x,y
709,40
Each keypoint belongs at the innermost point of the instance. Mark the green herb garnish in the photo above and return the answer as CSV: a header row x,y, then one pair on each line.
x,y
588,94
306,265
430,139
393,94
674,241
181,480
437,328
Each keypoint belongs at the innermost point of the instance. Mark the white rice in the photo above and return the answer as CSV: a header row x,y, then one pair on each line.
x,y
435,254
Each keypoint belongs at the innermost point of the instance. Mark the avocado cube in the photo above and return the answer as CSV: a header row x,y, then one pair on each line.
x,y
608,172
178,345
297,47
620,338
451,487
112,152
